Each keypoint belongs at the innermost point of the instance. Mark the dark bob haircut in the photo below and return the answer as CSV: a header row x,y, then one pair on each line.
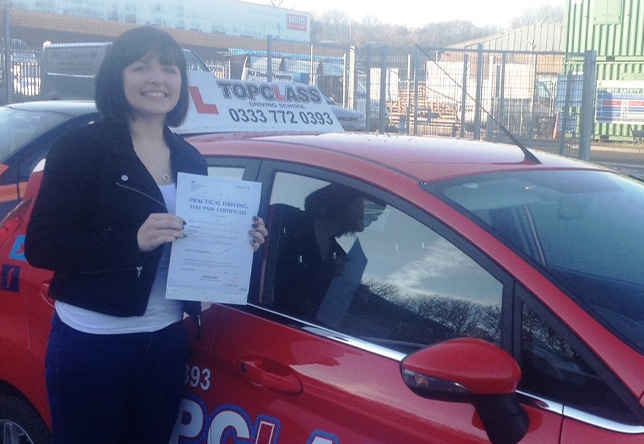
x,y
329,202
129,47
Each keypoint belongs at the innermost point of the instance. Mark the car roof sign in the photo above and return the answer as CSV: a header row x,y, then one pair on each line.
x,y
218,105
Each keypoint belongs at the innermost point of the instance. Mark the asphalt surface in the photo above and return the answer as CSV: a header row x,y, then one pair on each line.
x,y
626,158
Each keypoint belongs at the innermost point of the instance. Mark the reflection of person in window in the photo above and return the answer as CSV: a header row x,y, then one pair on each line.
x,y
309,255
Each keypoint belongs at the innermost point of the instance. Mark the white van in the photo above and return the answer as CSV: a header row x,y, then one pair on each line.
x,y
68,69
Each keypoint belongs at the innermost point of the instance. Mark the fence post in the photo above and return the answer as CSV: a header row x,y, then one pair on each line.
x,y
382,103
463,115
479,93
501,110
566,111
269,58
367,101
8,73
352,80
416,59
311,63
408,108
345,79
587,113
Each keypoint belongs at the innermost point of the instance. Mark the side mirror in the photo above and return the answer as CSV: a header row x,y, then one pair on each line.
x,y
476,372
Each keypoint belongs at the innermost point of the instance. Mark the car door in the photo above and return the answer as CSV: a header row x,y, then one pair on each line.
x,y
277,375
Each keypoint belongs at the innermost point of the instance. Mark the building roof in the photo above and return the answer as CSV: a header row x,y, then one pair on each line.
x,y
537,37
38,27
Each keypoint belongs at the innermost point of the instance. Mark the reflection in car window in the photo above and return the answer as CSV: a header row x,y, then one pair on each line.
x,y
581,228
552,369
398,283
226,172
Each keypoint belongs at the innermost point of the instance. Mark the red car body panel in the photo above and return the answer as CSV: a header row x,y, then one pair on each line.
x,y
360,394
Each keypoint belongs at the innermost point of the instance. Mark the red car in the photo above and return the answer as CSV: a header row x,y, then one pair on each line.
x,y
487,294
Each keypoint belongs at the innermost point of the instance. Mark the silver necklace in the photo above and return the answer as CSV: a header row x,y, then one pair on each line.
x,y
165,177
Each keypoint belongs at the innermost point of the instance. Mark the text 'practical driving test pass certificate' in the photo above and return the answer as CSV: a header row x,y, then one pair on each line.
x,y
213,262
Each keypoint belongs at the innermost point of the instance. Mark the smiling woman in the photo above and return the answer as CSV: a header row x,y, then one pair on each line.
x,y
103,223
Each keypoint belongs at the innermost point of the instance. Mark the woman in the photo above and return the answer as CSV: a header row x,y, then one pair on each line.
x,y
104,222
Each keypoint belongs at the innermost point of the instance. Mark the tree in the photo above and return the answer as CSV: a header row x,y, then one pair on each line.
x,y
449,33
542,14
332,26
336,26
369,30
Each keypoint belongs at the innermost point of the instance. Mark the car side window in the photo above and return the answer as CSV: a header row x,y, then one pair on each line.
x,y
350,262
553,369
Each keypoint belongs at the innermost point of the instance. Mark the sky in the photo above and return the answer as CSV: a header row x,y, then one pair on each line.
x,y
410,14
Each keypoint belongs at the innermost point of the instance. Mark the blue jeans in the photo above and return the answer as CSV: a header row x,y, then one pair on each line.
x,y
115,389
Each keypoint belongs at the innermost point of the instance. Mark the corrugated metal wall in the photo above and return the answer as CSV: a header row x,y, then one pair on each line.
x,y
615,29
611,27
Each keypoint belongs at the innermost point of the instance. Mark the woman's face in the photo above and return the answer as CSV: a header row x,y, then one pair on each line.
x,y
151,88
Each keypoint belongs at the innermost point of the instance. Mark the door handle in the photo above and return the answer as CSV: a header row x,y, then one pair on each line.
x,y
44,293
270,374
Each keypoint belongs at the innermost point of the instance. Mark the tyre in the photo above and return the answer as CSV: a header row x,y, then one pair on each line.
x,y
20,423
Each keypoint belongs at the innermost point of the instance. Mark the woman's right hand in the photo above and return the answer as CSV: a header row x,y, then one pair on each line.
x,y
159,229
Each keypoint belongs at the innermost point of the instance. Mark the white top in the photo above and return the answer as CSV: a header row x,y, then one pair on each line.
x,y
160,312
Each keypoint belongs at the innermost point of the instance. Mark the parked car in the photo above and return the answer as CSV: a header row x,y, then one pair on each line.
x,y
490,295
351,120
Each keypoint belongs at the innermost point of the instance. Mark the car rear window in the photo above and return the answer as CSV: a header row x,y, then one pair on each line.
x,y
19,127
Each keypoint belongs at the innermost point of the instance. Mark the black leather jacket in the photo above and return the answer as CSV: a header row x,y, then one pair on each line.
x,y
94,196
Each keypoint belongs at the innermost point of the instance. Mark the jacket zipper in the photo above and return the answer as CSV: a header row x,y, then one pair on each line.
x,y
139,269
142,194
198,319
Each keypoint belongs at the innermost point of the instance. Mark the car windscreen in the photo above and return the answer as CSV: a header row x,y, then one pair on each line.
x,y
19,127
584,229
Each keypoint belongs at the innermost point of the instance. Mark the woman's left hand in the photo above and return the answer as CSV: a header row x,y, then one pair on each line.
x,y
259,233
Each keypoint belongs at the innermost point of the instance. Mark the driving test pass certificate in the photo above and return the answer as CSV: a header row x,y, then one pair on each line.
x,y
213,262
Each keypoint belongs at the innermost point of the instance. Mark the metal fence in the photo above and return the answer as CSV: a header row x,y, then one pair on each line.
x,y
542,100
19,71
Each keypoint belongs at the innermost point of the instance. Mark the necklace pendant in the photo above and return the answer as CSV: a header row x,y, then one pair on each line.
x,y
165,177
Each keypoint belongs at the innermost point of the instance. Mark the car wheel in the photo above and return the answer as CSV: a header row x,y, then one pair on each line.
x,y
20,423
